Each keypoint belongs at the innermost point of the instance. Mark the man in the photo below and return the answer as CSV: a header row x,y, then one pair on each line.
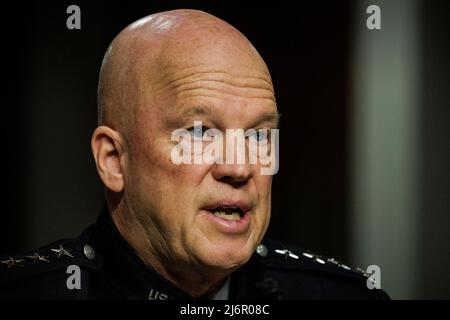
x,y
180,230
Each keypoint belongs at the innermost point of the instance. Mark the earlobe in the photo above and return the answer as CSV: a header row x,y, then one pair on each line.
x,y
107,149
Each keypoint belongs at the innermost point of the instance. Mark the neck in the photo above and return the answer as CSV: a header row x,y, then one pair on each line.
x,y
196,280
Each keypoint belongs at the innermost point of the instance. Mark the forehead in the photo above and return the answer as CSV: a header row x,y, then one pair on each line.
x,y
221,76
219,95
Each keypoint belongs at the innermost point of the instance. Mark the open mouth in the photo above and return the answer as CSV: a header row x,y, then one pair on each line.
x,y
228,213
230,217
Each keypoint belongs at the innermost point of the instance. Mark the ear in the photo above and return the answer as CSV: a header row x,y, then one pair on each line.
x,y
107,147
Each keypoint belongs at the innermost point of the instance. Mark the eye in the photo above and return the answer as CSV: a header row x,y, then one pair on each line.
x,y
259,135
197,132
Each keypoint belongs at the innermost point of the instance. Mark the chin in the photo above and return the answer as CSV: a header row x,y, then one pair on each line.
x,y
227,256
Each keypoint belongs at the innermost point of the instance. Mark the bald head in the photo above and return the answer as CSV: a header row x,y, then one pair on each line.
x,y
157,51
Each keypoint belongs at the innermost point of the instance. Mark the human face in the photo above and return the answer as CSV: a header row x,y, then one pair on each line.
x,y
174,203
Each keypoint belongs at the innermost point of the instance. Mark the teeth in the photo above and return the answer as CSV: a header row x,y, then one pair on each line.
x,y
228,215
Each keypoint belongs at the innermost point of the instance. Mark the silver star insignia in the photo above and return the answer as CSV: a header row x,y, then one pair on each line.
x,y
333,261
287,254
62,252
36,257
13,262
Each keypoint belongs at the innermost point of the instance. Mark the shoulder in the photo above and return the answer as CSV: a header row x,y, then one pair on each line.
x,y
48,272
288,272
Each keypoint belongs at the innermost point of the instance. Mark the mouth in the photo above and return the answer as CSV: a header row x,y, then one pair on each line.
x,y
229,217
228,213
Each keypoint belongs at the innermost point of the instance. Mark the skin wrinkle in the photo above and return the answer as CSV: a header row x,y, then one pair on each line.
x,y
208,85
214,83
155,70
223,77
214,94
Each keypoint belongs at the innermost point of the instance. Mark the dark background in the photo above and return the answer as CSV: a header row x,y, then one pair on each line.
x,y
51,188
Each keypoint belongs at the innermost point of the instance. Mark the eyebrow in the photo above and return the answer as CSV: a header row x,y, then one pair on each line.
x,y
272,117
180,117
196,111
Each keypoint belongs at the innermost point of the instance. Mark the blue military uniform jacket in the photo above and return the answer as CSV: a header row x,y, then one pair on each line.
x,y
101,265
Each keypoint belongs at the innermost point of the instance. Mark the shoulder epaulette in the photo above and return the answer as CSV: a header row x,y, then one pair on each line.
x,y
53,257
280,255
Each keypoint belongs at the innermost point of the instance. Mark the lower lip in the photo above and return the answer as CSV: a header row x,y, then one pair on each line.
x,y
229,226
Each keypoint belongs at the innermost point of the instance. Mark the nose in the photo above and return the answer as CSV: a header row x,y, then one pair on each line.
x,y
234,169
233,174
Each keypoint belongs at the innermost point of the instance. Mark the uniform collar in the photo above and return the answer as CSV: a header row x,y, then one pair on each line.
x,y
124,271
224,292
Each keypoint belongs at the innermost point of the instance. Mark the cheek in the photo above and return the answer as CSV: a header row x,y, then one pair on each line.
x,y
263,186
169,186
153,157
